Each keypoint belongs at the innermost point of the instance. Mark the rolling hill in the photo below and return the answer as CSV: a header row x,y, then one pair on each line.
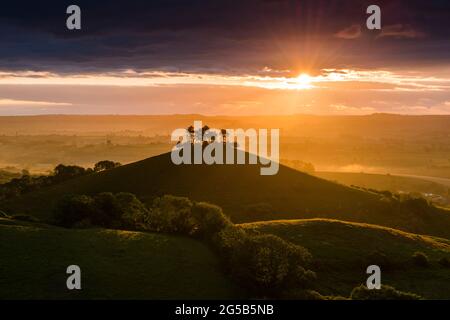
x,y
343,250
242,192
119,264
114,265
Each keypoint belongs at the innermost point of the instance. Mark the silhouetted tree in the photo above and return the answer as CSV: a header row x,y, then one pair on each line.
x,y
106,165
64,172
224,135
191,131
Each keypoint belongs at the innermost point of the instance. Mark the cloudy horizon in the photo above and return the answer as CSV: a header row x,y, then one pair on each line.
x,y
219,57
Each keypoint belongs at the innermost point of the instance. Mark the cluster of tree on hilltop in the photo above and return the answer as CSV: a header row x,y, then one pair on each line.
x,y
201,136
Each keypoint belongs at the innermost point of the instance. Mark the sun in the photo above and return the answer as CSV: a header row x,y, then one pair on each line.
x,y
303,81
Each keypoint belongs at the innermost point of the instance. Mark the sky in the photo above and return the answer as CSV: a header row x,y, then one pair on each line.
x,y
225,57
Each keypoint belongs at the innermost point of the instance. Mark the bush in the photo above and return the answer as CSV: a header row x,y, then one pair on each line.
x,y
275,263
72,209
266,263
180,215
444,262
107,211
133,212
229,239
209,219
120,210
420,259
170,214
104,209
385,293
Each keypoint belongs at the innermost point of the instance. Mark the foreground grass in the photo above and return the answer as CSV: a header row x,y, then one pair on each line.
x,y
114,265
342,252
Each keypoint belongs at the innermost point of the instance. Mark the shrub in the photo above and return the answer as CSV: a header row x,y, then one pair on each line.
x,y
385,293
444,262
108,213
170,214
230,242
229,239
420,259
72,209
104,209
132,211
209,219
180,215
266,264
270,265
120,210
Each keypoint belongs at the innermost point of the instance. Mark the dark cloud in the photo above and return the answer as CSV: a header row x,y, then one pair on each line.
x,y
221,36
401,31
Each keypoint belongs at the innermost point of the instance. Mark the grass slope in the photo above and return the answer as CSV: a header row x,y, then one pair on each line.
x,y
114,265
342,251
240,190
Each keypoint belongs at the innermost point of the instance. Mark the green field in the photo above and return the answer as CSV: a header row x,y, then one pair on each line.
x,y
114,265
134,265
342,251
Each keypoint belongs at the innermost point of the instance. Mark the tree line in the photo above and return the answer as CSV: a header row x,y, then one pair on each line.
x,y
27,182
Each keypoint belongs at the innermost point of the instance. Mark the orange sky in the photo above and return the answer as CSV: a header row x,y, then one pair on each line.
x,y
274,57
330,91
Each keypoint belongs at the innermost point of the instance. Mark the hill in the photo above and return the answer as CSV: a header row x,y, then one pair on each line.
x,y
243,193
343,250
114,265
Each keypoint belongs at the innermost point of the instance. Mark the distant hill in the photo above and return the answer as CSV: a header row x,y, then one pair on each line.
x,y
375,125
394,183
242,192
114,265
390,182
343,250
